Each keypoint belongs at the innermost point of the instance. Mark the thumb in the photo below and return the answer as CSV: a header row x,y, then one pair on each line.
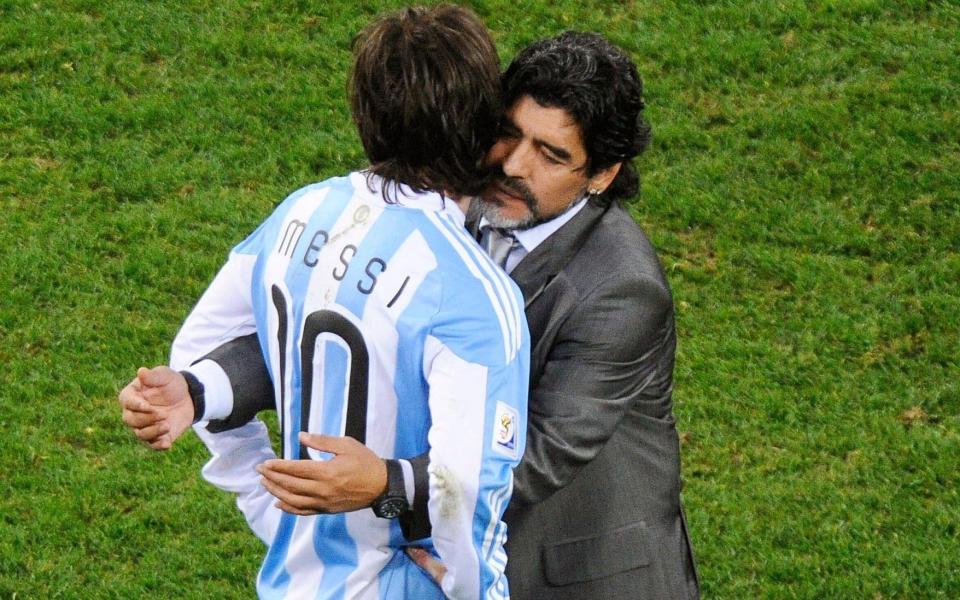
x,y
327,443
155,377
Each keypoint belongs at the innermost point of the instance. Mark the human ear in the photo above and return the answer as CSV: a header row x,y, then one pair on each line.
x,y
602,179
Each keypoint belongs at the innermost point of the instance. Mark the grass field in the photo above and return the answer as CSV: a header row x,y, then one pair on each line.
x,y
803,189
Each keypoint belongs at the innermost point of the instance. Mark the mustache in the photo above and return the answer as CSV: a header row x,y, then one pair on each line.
x,y
515,186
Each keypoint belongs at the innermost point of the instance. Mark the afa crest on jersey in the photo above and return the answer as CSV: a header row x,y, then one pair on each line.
x,y
505,430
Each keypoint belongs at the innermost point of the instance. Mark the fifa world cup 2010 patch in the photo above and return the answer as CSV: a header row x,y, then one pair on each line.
x,y
505,430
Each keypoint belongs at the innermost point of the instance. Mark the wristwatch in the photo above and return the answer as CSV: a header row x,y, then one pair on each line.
x,y
393,501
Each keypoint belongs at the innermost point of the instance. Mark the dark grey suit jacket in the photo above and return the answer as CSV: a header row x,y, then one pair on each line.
x,y
596,507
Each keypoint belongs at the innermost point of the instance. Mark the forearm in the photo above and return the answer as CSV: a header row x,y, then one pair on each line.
x,y
232,468
223,313
475,441
230,385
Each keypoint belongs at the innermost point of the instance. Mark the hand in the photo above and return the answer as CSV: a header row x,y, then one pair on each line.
x,y
428,563
351,480
157,406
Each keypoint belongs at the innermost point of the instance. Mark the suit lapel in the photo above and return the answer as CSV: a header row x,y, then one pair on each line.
x,y
535,273
538,268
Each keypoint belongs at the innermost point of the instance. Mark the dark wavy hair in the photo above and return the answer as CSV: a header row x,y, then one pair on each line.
x,y
425,97
598,84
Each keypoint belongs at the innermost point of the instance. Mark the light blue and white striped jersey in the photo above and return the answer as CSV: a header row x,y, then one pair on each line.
x,y
388,323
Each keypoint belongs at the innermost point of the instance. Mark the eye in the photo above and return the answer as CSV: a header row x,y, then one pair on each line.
x,y
550,158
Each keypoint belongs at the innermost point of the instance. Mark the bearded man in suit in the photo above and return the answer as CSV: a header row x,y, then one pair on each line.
x,y
596,508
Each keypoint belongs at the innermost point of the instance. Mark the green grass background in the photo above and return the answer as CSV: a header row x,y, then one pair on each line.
x,y
803,189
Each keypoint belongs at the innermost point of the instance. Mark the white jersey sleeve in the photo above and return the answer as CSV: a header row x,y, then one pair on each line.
x,y
234,455
475,441
223,313
476,363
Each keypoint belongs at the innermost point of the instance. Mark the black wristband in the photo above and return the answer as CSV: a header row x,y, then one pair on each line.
x,y
196,395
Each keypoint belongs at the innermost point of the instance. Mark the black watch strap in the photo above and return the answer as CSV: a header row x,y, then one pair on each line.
x,y
196,395
393,501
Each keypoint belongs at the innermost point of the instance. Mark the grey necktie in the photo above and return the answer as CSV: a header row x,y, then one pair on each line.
x,y
499,245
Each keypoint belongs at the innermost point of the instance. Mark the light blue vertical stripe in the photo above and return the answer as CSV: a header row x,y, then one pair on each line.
x,y
384,237
274,578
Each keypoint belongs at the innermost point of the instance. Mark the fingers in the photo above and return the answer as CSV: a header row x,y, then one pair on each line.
x,y
155,377
164,442
131,397
295,502
314,470
152,433
427,562
329,443
139,420
295,511
162,386
303,486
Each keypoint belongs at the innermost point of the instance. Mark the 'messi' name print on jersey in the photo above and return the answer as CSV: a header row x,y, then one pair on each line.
x,y
293,233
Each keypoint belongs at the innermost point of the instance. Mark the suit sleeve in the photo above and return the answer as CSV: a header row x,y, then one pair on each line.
x,y
614,353
415,523
252,389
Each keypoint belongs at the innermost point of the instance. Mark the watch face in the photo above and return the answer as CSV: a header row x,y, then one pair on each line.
x,y
391,508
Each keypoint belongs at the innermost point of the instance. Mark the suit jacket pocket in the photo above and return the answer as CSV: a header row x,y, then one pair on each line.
x,y
588,558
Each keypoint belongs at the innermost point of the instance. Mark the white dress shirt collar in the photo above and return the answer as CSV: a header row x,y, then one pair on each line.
x,y
534,236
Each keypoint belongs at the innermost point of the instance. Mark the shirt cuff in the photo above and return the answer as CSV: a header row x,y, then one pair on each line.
x,y
407,480
218,394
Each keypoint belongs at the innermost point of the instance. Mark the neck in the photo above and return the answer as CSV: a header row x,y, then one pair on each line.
x,y
462,202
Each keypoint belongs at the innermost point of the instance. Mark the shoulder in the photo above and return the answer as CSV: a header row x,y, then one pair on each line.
x,y
481,308
618,254
343,187
623,305
291,215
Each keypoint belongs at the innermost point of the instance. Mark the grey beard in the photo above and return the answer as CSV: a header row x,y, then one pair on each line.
x,y
490,211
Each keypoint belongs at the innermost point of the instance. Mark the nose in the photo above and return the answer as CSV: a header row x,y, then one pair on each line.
x,y
509,154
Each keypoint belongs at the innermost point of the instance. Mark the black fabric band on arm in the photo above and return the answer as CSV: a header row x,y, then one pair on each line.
x,y
415,524
242,361
196,395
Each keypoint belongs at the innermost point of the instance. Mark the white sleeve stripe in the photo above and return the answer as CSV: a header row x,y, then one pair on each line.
x,y
498,591
496,538
509,350
495,501
499,275
507,300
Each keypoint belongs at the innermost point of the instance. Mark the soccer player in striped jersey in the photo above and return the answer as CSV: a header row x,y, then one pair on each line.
x,y
381,319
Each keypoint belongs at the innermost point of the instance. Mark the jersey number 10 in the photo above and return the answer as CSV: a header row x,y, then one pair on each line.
x,y
315,324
